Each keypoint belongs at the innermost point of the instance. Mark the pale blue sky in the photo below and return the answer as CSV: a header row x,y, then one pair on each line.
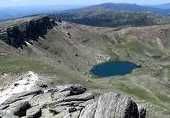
x,y
74,2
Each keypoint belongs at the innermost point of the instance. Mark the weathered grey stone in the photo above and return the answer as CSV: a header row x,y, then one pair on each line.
x,y
113,105
75,114
22,96
42,84
57,110
20,109
2,107
74,89
10,116
60,95
41,99
46,113
131,110
34,112
11,100
142,112
82,97
89,111
70,101
85,103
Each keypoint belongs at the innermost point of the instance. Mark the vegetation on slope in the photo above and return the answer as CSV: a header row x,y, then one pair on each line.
x,y
19,64
68,50
114,15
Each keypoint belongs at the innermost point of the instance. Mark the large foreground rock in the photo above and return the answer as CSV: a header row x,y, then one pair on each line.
x,y
67,101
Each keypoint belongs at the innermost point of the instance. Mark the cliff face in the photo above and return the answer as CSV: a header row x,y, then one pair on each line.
x,y
31,30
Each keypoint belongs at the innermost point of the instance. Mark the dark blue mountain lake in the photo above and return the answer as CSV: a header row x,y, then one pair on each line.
x,y
108,69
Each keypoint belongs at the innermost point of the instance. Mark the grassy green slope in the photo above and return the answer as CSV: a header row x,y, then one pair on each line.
x,y
68,51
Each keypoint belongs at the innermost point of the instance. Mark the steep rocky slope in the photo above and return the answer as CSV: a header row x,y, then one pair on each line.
x,y
66,53
31,96
17,35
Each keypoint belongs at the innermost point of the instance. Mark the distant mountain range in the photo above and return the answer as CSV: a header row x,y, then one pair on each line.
x,y
113,15
122,7
15,12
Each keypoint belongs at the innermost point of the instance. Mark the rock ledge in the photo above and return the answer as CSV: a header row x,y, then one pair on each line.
x,y
66,101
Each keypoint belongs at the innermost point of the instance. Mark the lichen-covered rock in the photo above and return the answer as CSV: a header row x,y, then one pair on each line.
x,y
74,90
20,109
142,112
72,101
34,112
113,105
25,86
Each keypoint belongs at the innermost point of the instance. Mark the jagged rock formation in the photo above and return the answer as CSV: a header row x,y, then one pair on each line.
x,y
30,97
18,34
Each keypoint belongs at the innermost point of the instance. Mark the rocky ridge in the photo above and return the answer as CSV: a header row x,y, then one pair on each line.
x,y
31,97
20,33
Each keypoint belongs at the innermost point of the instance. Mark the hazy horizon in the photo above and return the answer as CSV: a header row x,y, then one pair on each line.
x,y
20,8
17,3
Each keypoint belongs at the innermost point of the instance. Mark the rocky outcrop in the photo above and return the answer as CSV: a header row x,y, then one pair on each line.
x,y
32,100
31,30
